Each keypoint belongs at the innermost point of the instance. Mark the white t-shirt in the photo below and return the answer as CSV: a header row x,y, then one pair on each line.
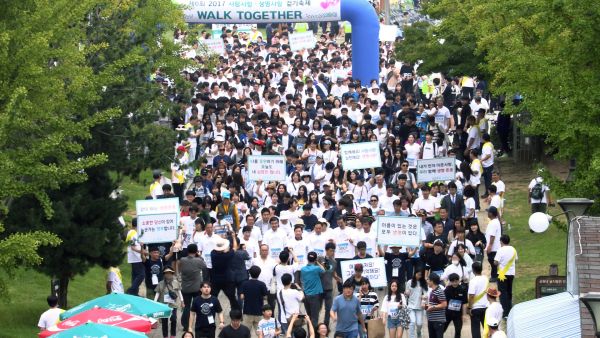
x,y
413,151
477,285
460,270
500,186
206,244
50,318
256,234
442,117
317,242
473,135
544,189
470,205
266,271
504,255
276,240
496,201
429,150
494,312
116,285
467,243
493,229
300,248
292,299
429,204
133,243
252,249
370,239
344,249
281,270
487,149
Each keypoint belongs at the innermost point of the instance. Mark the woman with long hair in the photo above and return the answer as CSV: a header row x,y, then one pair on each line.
x,y
416,291
302,195
395,310
294,184
477,238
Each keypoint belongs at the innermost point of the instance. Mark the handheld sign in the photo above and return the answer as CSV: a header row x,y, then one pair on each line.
x,y
158,220
436,169
373,269
303,40
217,46
266,168
360,155
400,231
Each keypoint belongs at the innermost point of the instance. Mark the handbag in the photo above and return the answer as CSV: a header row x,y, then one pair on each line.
x,y
376,328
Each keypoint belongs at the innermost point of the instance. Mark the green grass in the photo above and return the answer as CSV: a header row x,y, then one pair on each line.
x,y
536,251
29,289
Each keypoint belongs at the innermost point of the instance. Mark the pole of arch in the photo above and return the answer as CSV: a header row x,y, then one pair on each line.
x,y
365,39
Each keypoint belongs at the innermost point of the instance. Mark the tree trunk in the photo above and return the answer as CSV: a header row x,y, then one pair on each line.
x,y
62,291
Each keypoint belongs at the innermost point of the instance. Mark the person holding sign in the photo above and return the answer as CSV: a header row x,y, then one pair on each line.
x,y
369,303
229,210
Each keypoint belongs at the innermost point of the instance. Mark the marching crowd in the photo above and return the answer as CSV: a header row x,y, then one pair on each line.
x,y
275,248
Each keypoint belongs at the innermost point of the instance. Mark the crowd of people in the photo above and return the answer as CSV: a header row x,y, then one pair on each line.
x,y
275,248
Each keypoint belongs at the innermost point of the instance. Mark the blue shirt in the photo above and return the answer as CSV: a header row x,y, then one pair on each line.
x,y
347,311
311,279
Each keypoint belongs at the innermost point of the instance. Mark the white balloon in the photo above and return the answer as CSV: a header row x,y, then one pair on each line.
x,y
539,222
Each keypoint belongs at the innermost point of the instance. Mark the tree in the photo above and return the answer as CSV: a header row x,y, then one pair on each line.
x,y
543,50
87,106
86,220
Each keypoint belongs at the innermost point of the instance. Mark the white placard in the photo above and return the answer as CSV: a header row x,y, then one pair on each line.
x,y
267,11
157,220
373,269
217,46
267,168
401,231
241,28
303,40
388,33
360,155
436,169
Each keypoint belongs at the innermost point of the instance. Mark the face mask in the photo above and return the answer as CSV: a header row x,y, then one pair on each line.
x,y
455,263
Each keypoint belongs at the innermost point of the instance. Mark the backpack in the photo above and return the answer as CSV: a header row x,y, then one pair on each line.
x,y
537,192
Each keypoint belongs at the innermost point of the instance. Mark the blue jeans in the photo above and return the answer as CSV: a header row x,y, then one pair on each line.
x,y
138,274
349,334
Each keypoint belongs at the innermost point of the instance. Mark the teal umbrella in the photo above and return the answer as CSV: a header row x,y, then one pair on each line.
x,y
123,303
93,330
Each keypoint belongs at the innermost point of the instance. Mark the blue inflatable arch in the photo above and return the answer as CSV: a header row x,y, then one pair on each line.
x,y
360,14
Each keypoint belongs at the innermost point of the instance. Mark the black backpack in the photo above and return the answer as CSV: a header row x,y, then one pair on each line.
x,y
537,192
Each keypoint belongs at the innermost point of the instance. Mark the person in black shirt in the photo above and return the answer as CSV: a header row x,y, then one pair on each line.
x,y
361,247
395,263
154,270
436,235
456,295
203,310
253,293
309,219
235,329
221,278
437,261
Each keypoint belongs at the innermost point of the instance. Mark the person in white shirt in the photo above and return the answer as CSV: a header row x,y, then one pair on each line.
x,y
319,238
386,202
492,236
501,187
114,281
458,266
51,316
299,245
266,265
478,301
495,200
494,311
442,115
426,202
250,245
134,257
283,267
429,148
506,261
255,232
539,204
379,188
206,242
275,238
367,235
345,240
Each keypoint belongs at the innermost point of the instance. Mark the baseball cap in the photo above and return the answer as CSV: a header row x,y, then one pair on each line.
x,y
226,194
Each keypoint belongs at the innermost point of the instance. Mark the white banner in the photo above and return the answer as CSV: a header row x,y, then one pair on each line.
x,y
304,40
436,169
373,269
401,231
266,168
360,155
215,45
258,11
241,28
158,220
388,33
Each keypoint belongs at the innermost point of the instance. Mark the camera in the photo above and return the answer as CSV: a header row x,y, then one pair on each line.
x,y
173,295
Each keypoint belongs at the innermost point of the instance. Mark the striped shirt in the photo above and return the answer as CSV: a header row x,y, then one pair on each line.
x,y
368,302
436,297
